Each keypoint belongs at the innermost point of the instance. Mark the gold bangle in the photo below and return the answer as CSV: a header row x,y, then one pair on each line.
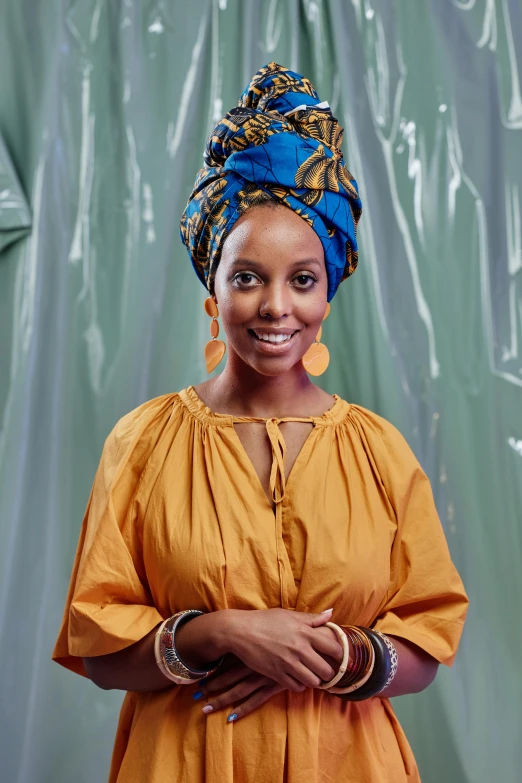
x,y
361,656
365,677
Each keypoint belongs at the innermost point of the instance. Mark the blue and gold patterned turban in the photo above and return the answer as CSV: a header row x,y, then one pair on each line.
x,y
280,141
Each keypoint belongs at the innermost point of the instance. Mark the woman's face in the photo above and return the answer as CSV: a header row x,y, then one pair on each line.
x,y
271,288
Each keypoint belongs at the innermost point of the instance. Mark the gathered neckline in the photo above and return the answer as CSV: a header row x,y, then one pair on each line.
x,y
197,407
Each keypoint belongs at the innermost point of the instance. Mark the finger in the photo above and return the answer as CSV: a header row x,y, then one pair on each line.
x,y
306,677
230,661
332,662
289,683
225,680
237,693
254,702
317,665
327,644
316,620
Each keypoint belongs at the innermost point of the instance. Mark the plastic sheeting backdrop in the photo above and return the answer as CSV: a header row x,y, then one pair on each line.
x,y
105,108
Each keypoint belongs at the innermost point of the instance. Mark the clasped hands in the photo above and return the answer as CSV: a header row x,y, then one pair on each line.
x,y
272,650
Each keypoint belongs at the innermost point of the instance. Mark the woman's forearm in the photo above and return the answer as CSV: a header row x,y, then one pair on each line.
x,y
281,644
204,639
199,641
417,669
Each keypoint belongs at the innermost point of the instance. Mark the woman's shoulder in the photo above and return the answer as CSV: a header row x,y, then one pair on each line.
x,y
387,451
378,432
144,421
145,411
370,420
138,434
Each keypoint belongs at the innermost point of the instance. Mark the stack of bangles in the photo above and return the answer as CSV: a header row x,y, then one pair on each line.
x,y
370,671
372,668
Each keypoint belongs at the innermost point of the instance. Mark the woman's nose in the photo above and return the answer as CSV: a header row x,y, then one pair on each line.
x,y
276,303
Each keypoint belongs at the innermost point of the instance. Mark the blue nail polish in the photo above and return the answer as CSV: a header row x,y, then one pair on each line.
x,y
197,695
231,717
203,681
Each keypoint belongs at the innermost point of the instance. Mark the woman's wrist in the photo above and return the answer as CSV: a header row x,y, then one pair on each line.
x,y
374,665
205,638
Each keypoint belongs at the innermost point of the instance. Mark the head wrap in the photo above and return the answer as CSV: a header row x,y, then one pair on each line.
x,y
280,140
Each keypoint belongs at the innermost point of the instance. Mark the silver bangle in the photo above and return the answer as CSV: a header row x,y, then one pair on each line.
x,y
166,654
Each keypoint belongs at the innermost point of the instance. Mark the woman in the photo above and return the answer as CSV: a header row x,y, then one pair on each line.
x,y
299,529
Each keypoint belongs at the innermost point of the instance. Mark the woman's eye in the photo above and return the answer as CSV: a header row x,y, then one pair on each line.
x,y
305,281
245,279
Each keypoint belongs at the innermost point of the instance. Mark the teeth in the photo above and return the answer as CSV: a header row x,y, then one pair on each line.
x,y
274,338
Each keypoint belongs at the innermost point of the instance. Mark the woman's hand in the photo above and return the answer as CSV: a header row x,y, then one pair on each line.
x,y
289,648
238,685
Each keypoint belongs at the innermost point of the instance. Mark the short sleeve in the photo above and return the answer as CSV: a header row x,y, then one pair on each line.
x,y
109,605
426,602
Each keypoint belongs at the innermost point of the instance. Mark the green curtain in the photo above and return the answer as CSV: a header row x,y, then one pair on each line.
x,y
104,110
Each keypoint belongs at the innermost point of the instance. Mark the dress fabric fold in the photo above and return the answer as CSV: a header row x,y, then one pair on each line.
x,y
178,519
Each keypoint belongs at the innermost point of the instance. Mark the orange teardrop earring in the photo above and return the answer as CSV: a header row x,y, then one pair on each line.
x,y
214,349
317,358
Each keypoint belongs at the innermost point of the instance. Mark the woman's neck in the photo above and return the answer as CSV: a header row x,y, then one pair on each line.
x,y
244,392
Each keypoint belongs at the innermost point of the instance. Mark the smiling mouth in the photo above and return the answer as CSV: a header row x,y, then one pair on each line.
x,y
272,338
271,343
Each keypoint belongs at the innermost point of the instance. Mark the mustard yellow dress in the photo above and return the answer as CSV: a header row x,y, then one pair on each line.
x,y
177,519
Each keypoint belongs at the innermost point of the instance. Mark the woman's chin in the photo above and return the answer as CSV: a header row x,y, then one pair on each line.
x,y
265,361
272,367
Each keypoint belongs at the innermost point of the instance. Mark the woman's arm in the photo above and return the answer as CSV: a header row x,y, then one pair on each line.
x,y
244,687
417,670
131,669
135,668
277,643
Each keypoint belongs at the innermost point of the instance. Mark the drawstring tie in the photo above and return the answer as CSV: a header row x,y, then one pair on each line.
x,y
277,473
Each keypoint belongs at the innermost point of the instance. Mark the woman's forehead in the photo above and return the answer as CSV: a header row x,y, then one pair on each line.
x,y
263,229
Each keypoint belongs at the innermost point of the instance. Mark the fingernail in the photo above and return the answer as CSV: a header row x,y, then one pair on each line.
x,y
327,610
207,708
203,681
231,717
197,695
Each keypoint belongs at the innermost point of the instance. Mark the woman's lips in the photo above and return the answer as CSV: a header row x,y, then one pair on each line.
x,y
273,348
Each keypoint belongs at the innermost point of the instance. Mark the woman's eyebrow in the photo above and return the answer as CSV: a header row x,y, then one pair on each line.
x,y
297,264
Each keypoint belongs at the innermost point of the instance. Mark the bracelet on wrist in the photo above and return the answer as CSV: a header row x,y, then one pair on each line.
x,y
360,677
346,656
386,667
166,654
372,668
